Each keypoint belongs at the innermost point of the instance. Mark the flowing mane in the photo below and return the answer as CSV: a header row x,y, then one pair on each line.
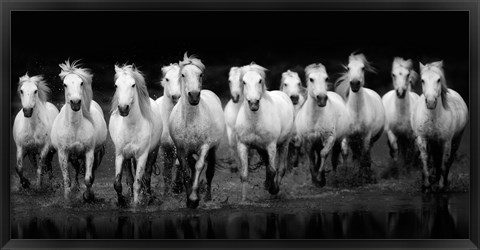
x,y
43,89
140,85
193,60
86,76
344,76
437,67
407,64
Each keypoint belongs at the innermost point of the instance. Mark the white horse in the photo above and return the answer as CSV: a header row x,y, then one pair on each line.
x,y
323,123
171,94
365,108
32,126
291,84
438,120
79,131
264,122
232,108
197,127
399,104
135,127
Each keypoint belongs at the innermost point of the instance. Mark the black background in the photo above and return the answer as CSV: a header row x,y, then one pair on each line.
x,y
277,40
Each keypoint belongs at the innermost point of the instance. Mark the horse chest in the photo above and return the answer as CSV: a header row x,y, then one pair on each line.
x,y
190,133
255,136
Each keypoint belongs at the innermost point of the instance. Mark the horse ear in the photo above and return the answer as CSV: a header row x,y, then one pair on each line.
x,y
421,66
440,64
117,69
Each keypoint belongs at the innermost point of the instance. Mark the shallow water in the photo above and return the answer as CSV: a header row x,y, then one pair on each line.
x,y
371,216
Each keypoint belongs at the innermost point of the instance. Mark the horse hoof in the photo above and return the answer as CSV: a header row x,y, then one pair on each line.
x,y
274,189
192,204
88,196
25,184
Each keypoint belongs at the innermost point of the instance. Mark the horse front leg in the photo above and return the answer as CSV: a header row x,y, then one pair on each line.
x,y
366,160
140,172
193,199
393,144
344,146
422,146
211,161
63,162
89,177
19,168
117,184
282,158
327,147
42,164
168,159
272,168
243,155
311,162
447,149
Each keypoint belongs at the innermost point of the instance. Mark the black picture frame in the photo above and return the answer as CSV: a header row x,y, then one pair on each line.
x,y
6,7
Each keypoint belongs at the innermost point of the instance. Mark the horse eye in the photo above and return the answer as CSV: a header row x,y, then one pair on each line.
x,y
244,83
311,79
260,81
393,75
21,92
183,75
116,86
81,84
133,85
166,79
201,74
327,79
423,81
64,85
438,81
36,91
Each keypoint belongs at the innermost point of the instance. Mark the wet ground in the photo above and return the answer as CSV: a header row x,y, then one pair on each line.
x,y
391,207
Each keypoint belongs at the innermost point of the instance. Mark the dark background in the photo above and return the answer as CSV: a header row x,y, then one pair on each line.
x,y
277,40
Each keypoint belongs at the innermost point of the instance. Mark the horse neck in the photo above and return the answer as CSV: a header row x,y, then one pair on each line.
x,y
403,105
356,101
72,117
38,115
313,107
189,110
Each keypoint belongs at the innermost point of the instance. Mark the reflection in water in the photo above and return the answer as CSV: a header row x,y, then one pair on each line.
x,y
438,217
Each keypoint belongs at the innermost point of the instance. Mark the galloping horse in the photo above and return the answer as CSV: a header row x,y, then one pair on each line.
x,y
232,108
264,122
399,104
171,94
322,123
438,120
135,127
291,85
79,131
196,127
365,108
32,126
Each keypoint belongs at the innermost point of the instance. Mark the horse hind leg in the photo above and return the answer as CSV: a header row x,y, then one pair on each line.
x,y
168,161
336,150
48,163
210,172
33,157
151,161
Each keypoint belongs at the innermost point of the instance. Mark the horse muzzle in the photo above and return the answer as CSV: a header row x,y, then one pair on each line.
x,y
355,85
175,99
431,104
194,97
235,98
124,109
294,99
401,94
254,105
321,100
27,112
76,105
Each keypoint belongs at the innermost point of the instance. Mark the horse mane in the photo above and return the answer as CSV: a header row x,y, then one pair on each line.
x,y
165,69
193,60
437,67
407,64
256,68
42,87
140,85
84,73
344,76
291,74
